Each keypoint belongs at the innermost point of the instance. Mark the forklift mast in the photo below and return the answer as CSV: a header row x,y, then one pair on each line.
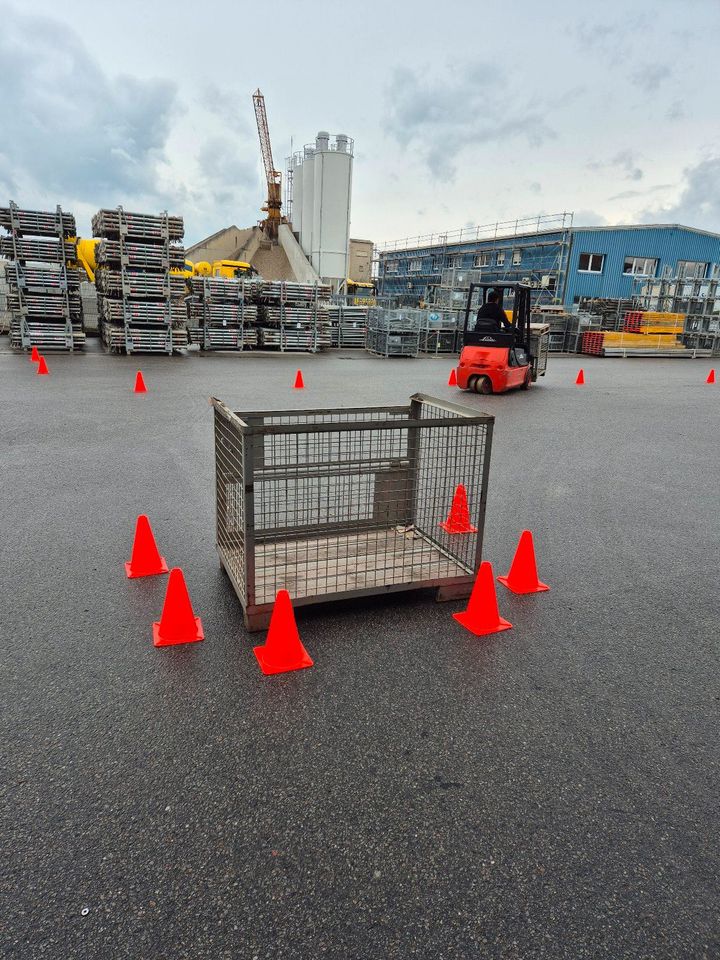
x,y
520,336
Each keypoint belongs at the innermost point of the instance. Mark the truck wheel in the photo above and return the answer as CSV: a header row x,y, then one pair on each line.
x,y
483,385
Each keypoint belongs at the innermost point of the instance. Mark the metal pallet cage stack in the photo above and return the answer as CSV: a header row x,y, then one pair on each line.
x,y
394,333
140,288
439,332
348,325
222,313
294,316
43,294
330,504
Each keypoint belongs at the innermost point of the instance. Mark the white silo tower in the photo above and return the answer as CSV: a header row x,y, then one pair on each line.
x,y
332,189
307,192
295,165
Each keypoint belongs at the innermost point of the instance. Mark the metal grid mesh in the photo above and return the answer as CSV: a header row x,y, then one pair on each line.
x,y
349,502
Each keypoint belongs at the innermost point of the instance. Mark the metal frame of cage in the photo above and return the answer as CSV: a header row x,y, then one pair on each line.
x,y
332,504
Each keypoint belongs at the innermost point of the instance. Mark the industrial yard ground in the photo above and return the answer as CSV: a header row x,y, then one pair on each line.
x,y
549,792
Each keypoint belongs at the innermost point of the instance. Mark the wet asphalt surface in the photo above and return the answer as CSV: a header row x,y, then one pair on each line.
x,y
551,791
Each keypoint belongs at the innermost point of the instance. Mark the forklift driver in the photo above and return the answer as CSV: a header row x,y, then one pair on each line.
x,y
491,317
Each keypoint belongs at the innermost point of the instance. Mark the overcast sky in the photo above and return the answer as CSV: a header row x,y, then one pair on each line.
x,y
462,112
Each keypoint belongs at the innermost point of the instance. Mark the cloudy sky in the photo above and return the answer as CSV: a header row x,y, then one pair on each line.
x,y
462,112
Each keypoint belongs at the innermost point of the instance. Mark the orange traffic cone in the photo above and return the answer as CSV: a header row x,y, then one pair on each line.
x,y
523,575
34,354
711,377
42,367
458,520
580,379
482,615
139,383
452,379
299,384
178,623
145,560
283,650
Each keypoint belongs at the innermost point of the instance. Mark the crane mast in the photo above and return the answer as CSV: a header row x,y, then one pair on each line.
x,y
273,177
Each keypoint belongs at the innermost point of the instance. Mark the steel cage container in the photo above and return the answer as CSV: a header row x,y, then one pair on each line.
x,y
333,504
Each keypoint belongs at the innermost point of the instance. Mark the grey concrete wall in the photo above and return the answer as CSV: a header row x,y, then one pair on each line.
x,y
299,263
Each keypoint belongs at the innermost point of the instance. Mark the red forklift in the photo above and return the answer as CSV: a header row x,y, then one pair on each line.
x,y
497,360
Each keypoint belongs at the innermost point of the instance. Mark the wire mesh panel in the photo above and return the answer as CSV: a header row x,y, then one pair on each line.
x,y
338,503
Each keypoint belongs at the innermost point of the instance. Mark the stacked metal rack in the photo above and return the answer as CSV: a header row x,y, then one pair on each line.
x,y
222,313
294,316
440,332
140,300
348,325
394,333
43,293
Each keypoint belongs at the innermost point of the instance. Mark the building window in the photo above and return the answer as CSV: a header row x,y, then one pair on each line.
x,y
640,266
436,264
391,266
481,260
517,257
691,270
415,266
591,262
500,258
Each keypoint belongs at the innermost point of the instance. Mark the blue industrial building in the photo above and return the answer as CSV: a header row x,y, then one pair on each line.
x,y
565,263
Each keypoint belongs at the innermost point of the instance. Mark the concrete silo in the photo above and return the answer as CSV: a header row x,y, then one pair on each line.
x,y
332,190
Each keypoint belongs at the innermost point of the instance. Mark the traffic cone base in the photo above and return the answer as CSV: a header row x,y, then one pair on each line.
x,y
282,651
452,379
523,576
145,560
299,382
34,355
178,624
162,567
538,588
198,635
269,669
458,520
469,622
482,616
42,367
580,379
139,383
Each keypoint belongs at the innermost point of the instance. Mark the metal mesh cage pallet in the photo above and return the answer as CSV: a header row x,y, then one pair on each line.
x,y
42,283
348,325
331,504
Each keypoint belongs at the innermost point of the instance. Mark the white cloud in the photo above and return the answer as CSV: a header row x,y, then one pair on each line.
x,y
699,202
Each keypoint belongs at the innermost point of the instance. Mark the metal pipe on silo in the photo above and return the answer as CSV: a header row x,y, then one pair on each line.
x,y
307,193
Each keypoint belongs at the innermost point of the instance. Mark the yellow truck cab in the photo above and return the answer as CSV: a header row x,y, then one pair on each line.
x,y
361,292
231,269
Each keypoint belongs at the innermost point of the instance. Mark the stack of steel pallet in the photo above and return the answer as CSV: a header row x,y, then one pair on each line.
x,y
43,285
440,332
294,316
348,325
394,333
140,299
222,313
592,343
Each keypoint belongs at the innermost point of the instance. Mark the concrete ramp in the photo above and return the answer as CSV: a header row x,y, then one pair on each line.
x,y
301,267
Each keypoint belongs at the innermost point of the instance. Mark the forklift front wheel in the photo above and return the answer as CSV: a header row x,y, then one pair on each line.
x,y
483,385
527,381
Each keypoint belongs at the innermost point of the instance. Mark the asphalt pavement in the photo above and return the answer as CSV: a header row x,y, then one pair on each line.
x,y
550,791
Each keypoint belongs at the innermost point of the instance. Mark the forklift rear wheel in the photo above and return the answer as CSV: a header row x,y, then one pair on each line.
x,y
483,385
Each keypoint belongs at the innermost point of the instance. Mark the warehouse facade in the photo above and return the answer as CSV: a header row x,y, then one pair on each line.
x,y
564,263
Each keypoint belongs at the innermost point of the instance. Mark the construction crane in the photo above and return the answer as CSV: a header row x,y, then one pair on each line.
x,y
274,177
